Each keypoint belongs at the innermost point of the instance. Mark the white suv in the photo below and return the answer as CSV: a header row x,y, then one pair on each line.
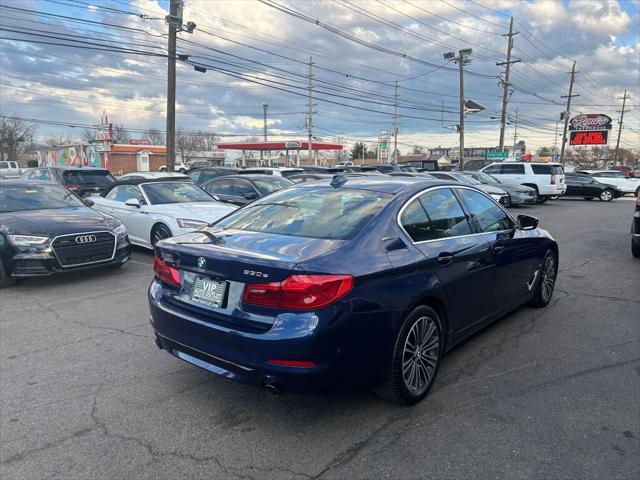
x,y
546,178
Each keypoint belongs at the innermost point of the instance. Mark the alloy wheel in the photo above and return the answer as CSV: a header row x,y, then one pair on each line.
x,y
606,196
159,233
420,355
548,279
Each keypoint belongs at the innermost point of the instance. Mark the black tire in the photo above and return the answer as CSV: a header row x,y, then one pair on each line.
x,y
606,195
542,200
637,192
635,248
159,232
537,197
182,170
5,280
401,387
588,198
546,280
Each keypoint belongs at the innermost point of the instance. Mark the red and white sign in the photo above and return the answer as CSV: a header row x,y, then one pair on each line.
x,y
139,141
588,138
104,132
590,121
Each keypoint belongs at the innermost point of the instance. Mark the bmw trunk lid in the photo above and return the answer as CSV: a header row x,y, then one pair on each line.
x,y
221,262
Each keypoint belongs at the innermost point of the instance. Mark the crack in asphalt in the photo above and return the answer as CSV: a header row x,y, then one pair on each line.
x,y
595,295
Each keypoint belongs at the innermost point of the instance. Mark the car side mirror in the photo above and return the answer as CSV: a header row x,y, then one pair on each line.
x,y
249,195
132,202
88,202
527,222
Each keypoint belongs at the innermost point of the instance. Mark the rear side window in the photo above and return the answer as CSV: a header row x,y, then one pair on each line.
x,y
447,219
415,222
4,165
512,168
306,212
487,215
101,178
220,187
558,170
494,169
542,169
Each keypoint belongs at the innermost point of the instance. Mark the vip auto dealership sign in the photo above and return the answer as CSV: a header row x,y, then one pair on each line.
x,y
589,129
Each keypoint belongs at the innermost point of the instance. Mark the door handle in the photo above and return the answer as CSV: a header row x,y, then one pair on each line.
x,y
445,258
498,248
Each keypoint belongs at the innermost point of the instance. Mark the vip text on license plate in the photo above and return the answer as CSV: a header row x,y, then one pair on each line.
x,y
207,291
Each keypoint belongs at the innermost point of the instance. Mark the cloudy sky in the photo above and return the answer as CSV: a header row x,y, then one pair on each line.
x,y
68,60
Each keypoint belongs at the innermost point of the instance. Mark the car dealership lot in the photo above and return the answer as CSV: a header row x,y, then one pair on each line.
x,y
542,393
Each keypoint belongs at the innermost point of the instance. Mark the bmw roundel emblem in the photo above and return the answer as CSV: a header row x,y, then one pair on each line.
x,y
202,263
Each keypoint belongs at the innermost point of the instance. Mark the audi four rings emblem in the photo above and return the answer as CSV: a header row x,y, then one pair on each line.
x,y
85,239
202,263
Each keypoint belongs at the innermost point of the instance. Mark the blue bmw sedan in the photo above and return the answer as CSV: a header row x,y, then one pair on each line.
x,y
356,281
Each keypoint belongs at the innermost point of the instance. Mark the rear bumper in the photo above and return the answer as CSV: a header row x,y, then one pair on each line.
x,y
343,351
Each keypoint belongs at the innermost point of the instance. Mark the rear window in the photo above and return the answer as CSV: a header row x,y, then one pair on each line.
x,y
288,173
101,178
542,169
335,214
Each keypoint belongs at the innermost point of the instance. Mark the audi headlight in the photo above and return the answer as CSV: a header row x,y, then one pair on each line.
x,y
120,230
186,223
26,240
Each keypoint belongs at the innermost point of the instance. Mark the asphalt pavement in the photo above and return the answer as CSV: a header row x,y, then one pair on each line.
x,y
551,393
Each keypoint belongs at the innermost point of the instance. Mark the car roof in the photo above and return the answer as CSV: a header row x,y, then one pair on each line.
x,y
77,169
384,184
16,182
246,176
214,168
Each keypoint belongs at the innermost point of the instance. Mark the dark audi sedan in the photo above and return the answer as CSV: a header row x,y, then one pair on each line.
x,y
356,281
45,229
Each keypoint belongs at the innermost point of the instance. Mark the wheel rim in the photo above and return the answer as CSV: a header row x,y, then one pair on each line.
x,y
548,279
606,195
159,234
420,355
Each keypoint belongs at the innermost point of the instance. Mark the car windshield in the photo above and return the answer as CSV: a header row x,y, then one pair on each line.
x,y
467,179
101,178
174,192
306,212
268,185
15,198
484,178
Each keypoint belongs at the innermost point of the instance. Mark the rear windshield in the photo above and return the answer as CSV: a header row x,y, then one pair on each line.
x,y
36,197
288,173
547,169
101,178
336,214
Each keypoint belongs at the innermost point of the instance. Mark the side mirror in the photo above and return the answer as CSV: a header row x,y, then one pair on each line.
x,y
88,202
527,222
249,195
132,202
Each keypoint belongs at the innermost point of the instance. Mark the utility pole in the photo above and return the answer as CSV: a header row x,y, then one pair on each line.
x,y
462,59
310,112
567,111
624,102
515,135
505,82
362,160
174,21
555,137
395,125
264,114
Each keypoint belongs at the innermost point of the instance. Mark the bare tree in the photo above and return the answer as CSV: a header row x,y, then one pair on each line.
x,y
15,136
188,145
59,139
417,149
208,140
155,136
88,135
120,134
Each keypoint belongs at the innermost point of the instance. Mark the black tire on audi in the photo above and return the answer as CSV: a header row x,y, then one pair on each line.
x,y
416,358
159,232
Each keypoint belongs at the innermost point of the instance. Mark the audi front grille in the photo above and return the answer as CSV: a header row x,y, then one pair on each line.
x,y
84,248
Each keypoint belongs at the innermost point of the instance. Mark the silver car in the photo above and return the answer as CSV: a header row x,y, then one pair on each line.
x,y
518,194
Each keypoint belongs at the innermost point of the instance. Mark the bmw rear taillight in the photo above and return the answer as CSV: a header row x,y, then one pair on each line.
x,y
165,272
299,292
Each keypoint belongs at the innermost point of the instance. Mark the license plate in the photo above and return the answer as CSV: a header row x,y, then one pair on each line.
x,y
208,292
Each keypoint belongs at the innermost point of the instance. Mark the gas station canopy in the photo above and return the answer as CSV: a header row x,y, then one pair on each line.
x,y
268,146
